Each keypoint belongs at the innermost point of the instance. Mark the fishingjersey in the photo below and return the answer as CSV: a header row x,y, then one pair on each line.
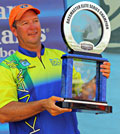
x,y
27,78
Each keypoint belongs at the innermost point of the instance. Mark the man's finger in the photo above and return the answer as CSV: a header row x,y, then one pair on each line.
x,y
105,71
54,98
106,74
106,63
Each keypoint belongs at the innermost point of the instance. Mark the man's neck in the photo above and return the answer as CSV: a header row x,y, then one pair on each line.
x,y
36,49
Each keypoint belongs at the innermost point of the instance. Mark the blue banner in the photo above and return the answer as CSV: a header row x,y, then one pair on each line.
x,y
50,19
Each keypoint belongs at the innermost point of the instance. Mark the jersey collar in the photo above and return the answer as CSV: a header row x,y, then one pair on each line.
x,y
30,53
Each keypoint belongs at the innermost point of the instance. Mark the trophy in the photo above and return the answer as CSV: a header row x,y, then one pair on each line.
x,y
86,31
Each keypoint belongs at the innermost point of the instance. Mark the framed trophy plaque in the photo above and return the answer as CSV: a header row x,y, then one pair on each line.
x,y
86,31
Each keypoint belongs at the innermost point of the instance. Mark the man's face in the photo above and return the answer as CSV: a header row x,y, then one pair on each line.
x,y
28,29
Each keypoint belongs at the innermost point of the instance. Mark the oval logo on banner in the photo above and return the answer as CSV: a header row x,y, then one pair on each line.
x,y
86,28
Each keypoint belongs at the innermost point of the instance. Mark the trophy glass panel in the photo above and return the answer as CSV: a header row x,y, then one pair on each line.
x,y
84,79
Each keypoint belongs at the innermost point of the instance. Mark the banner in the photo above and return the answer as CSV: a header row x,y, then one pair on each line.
x,y
50,19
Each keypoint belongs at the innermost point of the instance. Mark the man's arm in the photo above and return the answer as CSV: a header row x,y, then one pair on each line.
x,y
16,111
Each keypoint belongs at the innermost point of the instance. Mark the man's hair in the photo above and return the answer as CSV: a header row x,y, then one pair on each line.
x,y
14,24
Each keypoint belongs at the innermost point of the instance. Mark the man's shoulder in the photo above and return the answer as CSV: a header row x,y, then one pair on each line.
x,y
10,59
54,52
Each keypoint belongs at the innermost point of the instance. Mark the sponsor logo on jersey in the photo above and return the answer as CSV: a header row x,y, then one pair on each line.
x,y
55,62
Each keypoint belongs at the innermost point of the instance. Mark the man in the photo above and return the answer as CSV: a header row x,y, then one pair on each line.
x,y
30,84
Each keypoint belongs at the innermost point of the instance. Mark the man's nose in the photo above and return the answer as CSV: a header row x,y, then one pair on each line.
x,y
31,25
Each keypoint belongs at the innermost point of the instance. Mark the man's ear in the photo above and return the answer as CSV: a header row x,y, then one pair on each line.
x,y
14,31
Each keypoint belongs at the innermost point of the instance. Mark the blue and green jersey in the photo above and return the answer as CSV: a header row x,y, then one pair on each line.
x,y
26,78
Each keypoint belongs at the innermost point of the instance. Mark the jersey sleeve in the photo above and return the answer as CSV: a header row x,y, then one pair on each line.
x,y
8,87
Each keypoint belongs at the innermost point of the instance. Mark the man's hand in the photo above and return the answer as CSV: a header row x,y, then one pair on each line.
x,y
105,69
52,108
